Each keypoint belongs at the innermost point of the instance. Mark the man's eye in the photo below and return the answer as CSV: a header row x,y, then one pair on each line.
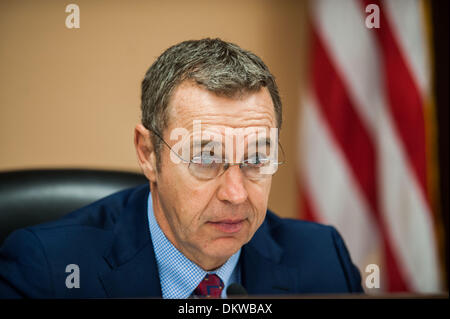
x,y
257,160
206,160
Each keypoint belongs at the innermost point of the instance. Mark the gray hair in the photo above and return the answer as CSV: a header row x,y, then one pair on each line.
x,y
221,67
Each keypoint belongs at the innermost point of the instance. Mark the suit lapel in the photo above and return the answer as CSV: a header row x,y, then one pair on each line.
x,y
262,272
133,271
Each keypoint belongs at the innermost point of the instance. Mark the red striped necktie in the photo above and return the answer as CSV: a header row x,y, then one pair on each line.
x,y
210,287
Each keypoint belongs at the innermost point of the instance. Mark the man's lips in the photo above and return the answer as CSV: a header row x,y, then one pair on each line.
x,y
228,226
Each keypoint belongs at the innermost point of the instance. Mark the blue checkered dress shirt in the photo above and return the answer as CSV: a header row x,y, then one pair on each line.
x,y
178,275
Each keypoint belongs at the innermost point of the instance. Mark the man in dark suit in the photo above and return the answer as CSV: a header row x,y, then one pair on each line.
x,y
204,225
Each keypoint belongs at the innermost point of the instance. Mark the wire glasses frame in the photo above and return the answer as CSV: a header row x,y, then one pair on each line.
x,y
207,168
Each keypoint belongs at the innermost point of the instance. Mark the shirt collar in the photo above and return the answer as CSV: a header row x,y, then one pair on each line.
x,y
179,276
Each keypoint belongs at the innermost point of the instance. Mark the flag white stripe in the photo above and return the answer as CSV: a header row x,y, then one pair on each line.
x,y
333,189
354,51
408,26
351,47
406,213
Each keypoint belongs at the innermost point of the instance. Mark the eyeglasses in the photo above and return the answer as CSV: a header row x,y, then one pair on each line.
x,y
207,166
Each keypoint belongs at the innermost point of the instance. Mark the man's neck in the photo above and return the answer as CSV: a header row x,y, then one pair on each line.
x,y
203,261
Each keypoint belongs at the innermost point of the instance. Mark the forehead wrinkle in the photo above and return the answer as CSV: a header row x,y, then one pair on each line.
x,y
191,103
250,119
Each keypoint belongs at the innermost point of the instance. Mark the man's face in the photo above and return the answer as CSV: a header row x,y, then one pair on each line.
x,y
210,220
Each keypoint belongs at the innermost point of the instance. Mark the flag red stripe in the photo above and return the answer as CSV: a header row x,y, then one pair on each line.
x,y
354,140
335,106
405,102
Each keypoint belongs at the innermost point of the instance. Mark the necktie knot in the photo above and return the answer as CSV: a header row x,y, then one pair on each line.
x,y
210,287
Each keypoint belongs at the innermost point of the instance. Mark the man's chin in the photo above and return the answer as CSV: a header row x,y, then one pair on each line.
x,y
224,247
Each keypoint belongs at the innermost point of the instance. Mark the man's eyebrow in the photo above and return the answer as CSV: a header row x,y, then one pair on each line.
x,y
203,143
262,141
266,141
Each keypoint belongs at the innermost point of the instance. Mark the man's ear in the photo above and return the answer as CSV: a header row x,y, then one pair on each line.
x,y
145,152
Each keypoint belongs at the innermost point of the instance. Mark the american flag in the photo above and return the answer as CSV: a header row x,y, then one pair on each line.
x,y
365,134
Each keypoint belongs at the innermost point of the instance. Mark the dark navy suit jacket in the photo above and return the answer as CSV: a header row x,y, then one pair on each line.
x,y
110,242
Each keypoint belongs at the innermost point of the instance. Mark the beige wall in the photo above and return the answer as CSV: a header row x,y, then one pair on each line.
x,y
70,97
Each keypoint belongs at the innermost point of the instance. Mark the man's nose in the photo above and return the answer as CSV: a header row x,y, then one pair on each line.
x,y
232,187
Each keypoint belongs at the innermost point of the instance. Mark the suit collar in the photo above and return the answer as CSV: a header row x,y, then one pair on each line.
x,y
262,270
133,271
